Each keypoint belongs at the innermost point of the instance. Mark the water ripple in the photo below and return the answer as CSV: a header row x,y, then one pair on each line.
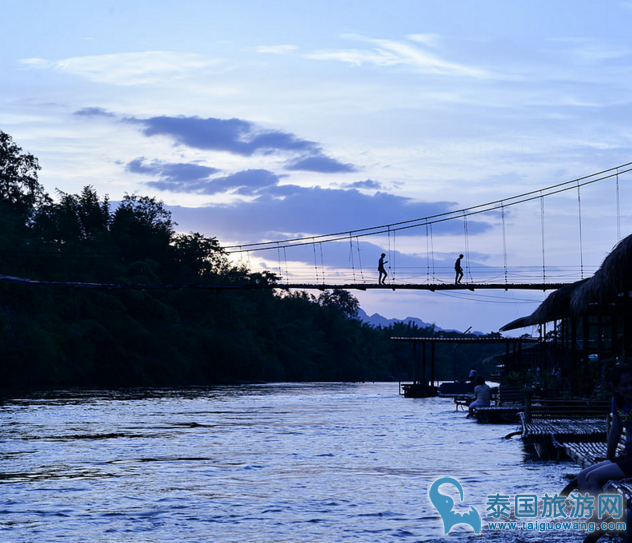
x,y
279,462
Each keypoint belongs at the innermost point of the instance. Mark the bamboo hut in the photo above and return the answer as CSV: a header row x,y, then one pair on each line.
x,y
611,281
555,307
590,321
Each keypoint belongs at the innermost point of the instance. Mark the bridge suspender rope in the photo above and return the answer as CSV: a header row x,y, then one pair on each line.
x,y
351,255
441,217
434,276
542,232
322,262
467,248
389,253
394,254
502,212
427,254
315,262
360,260
618,210
379,230
581,244
287,272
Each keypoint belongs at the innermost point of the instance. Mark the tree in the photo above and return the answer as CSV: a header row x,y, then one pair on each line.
x,y
142,228
341,300
19,186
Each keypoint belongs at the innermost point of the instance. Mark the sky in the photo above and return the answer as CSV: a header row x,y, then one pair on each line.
x,y
256,121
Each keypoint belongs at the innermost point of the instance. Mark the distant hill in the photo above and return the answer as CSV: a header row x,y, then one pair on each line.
x,y
377,320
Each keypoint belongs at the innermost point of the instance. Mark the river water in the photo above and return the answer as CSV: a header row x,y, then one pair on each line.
x,y
259,463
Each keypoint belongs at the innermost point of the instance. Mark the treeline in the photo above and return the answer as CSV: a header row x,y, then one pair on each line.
x,y
60,336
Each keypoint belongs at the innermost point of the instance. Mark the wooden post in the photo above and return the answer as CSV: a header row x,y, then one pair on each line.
x,y
528,393
432,363
423,364
414,361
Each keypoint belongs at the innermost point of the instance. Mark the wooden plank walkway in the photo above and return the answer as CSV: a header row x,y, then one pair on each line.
x,y
543,430
292,286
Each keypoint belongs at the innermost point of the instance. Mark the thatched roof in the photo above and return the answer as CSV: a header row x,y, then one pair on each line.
x,y
556,306
613,277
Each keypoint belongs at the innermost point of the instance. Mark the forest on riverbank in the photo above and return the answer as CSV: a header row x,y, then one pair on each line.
x,y
55,336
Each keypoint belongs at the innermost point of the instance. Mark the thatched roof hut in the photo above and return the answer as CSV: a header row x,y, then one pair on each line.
x,y
556,306
613,277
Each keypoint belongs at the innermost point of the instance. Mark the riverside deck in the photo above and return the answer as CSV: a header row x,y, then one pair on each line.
x,y
548,436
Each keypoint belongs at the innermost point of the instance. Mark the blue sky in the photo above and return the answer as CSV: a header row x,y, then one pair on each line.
x,y
261,120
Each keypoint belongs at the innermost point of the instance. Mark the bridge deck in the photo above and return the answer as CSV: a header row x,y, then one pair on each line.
x,y
427,286
298,286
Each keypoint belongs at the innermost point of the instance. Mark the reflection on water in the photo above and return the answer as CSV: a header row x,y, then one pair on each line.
x,y
258,463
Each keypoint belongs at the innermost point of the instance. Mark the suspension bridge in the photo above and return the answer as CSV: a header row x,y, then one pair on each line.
x,y
300,263
339,260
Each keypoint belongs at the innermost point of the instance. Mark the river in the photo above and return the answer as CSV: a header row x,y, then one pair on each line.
x,y
255,463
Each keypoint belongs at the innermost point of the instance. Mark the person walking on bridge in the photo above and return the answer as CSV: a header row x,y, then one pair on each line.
x,y
380,268
459,270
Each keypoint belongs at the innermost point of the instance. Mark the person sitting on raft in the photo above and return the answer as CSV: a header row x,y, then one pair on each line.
x,y
615,467
483,395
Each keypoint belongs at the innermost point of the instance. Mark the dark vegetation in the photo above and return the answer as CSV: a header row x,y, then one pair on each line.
x,y
53,336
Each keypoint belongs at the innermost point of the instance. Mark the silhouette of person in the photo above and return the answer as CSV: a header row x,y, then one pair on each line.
x,y
459,270
483,395
380,268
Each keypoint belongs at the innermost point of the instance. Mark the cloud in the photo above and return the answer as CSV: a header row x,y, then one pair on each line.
x,y
176,173
235,136
320,163
196,179
368,184
241,137
593,51
398,53
246,182
276,49
148,67
279,211
94,112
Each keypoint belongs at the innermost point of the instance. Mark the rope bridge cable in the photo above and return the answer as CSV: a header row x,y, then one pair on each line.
x,y
504,243
381,229
315,262
467,248
351,256
581,245
322,262
360,260
279,255
389,253
618,210
441,217
434,275
427,254
394,255
287,273
542,231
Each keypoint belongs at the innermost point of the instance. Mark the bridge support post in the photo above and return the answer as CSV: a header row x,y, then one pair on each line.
x,y
423,364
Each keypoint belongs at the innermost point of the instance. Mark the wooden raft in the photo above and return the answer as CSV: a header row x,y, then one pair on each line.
x,y
623,487
549,437
541,430
586,454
